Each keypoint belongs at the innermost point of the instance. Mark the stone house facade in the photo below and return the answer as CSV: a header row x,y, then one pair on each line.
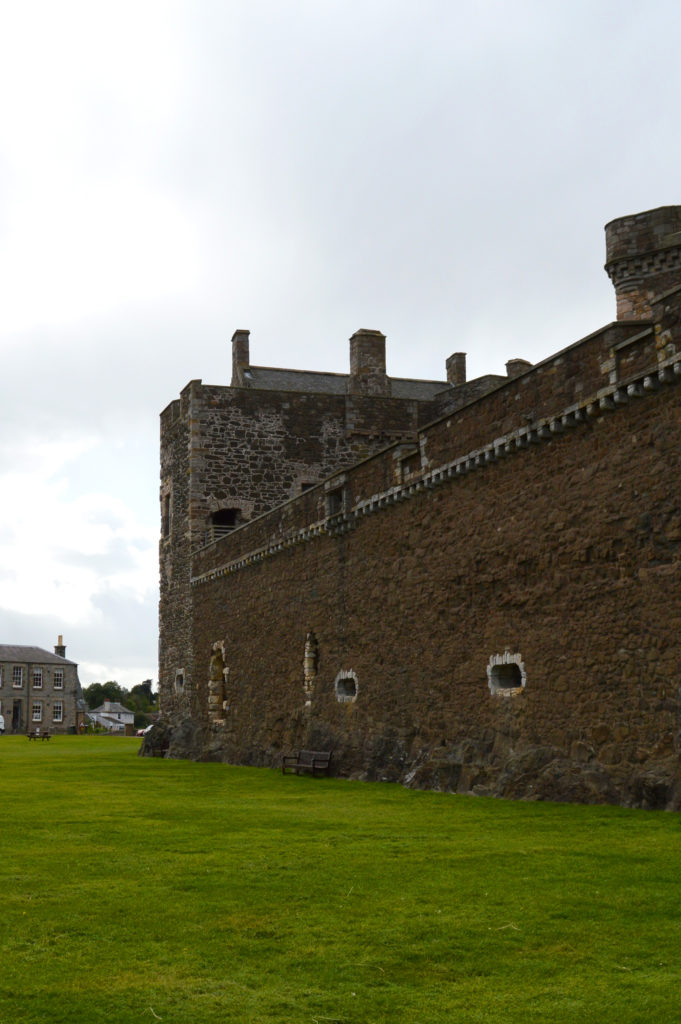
x,y
478,591
39,689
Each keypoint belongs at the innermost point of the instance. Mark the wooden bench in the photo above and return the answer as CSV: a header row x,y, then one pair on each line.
x,y
312,762
40,736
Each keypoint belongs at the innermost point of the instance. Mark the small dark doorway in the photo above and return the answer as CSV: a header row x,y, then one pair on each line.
x,y
17,725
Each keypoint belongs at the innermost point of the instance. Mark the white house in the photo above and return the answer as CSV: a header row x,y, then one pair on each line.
x,y
113,717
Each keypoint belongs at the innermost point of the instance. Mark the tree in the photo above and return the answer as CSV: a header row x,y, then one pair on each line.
x,y
144,690
97,693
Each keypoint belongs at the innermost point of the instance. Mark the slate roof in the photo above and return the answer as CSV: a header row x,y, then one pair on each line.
x,y
268,378
36,655
113,708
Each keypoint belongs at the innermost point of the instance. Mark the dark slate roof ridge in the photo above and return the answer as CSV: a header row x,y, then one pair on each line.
x,y
292,369
423,380
17,653
113,706
332,373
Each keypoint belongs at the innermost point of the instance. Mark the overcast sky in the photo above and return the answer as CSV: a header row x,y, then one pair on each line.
x,y
440,170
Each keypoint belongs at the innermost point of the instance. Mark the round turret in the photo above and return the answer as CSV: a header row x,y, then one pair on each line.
x,y
643,258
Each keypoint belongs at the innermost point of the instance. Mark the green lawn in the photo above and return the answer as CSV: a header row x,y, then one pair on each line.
x,y
143,890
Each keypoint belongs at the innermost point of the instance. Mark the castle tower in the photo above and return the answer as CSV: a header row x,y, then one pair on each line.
x,y
643,259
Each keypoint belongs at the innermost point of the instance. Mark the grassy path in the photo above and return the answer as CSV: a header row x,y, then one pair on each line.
x,y
137,890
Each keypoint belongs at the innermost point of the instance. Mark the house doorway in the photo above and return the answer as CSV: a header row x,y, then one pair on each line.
x,y
17,724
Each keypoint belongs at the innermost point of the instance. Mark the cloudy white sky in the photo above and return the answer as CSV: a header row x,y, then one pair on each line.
x,y
171,170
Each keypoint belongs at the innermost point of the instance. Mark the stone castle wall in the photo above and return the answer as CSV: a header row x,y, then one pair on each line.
x,y
417,599
561,556
489,604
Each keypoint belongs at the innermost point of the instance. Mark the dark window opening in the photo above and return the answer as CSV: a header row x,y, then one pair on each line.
x,y
334,502
305,487
165,516
506,677
411,465
346,687
222,522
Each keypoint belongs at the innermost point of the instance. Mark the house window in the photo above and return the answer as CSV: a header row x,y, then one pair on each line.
x,y
37,678
17,676
179,681
345,686
57,711
58,679
0,675
37,712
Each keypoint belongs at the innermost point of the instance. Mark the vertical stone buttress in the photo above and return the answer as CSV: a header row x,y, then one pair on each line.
x,y
643,259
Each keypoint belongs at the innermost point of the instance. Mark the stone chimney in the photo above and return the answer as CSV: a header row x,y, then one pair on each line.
x,y
240,357
456,368
59,648
367,364
643,259
514,367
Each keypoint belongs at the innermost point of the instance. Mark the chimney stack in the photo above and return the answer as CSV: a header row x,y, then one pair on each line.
x,y
456,368
514,367
60,649
367,364
240,357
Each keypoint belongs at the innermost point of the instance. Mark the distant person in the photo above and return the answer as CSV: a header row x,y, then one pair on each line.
x,y
2,725
37,731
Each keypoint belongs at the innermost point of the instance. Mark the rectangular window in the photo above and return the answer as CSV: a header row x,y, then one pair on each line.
x,y
37,678
57,711
165,516
58,679
336,495
0,675
410,464
17,676
37,714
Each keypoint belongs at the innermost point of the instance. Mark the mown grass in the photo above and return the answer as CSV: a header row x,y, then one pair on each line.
x,y
137,890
